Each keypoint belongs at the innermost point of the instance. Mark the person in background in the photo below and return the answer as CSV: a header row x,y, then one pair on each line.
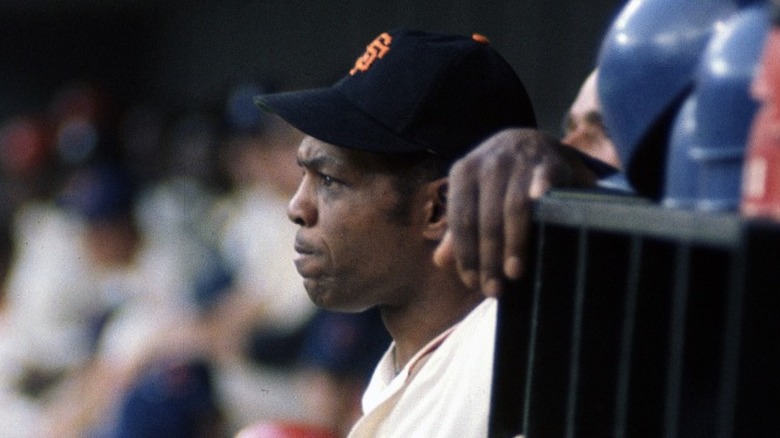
x,y
53,305
252,324
583,127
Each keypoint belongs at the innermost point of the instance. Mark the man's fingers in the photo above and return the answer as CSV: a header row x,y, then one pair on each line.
x,y
444,256
540,182
491,191
491,224
517,217
462,218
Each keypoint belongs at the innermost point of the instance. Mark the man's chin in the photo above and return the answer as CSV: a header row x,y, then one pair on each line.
x,y
326,298
318,294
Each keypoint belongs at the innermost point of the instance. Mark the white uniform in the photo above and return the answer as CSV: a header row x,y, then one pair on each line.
x,y
444,391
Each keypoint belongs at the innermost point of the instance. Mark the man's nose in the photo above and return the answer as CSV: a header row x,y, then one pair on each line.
x,y
301,210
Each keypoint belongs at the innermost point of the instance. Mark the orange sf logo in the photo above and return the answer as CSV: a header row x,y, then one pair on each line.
x,y
377,49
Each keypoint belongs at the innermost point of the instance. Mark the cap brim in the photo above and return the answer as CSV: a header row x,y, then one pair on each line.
x,y
327,115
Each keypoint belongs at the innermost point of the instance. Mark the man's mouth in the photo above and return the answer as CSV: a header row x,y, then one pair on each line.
x,y
305,262
303,248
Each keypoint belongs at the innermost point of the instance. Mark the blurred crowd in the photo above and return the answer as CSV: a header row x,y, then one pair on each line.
x,y
147,280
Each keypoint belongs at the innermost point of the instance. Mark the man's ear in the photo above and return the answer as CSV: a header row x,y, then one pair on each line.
x,y
436,209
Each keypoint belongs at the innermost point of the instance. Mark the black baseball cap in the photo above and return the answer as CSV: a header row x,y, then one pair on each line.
x,y
412,91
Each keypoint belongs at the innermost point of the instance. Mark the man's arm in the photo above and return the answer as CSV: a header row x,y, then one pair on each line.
x,y
489,202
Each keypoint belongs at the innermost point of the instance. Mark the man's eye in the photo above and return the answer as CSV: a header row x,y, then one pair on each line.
x,y
327,180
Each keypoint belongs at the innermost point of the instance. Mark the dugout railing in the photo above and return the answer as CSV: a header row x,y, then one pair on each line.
x,y
636,320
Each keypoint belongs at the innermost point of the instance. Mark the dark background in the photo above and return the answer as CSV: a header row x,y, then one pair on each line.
x,y
187,54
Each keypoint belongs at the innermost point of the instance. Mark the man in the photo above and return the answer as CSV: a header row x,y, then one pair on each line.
x,y
373,206
583,126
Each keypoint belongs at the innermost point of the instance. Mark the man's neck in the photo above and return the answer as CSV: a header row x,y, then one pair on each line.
x,y
415,325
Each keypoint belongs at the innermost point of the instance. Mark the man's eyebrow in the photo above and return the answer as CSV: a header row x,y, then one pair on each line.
x,y
316,162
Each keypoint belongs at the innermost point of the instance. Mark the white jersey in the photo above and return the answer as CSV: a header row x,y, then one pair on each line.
x,y
444,391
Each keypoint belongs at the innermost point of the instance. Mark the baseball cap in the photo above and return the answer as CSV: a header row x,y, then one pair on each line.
x,y
412,91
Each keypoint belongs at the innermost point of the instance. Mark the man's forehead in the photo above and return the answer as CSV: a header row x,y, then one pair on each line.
x,y
587,99
314,150
311,148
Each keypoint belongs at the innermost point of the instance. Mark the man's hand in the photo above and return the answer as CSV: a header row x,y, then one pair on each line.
x,y
489,202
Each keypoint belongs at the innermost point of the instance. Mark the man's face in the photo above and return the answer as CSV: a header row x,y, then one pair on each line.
x,y
584,128
351,254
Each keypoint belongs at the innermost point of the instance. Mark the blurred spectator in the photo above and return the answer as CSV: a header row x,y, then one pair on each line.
x,y
256,323
83,118
169,388
338,356
144,306
54,304
54,311
26,162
